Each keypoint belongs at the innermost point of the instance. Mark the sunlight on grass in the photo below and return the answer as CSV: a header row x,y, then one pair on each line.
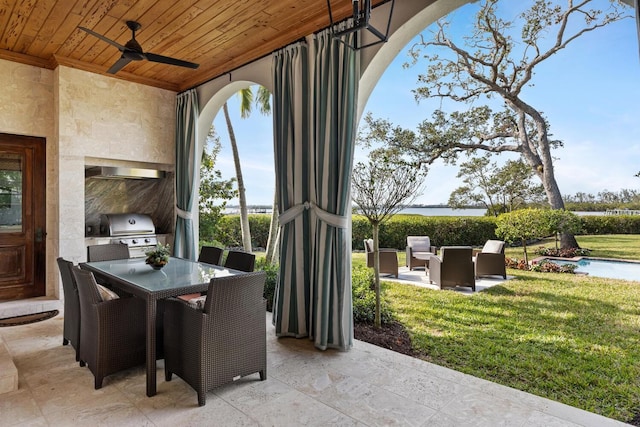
x,y
569,338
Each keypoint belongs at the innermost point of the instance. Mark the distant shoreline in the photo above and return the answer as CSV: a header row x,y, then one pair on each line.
x,y
425,210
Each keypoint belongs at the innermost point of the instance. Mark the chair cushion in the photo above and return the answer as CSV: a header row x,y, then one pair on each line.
x,y
107,294
187,297
419,243
198,302
493,246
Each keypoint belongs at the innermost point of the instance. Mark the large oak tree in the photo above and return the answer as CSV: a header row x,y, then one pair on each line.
x,y
497,61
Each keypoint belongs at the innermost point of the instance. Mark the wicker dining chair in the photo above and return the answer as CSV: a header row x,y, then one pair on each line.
x,y
222,341
242,261
107,252
112,332
211,255
71,326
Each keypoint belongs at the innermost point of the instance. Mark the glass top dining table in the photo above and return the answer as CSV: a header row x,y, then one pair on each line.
x,y
178,277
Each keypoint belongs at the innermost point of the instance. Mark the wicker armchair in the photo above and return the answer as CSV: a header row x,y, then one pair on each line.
x,y
107,252
241,261
454,267
211,255
71,329
388,258
112,332
419,245
490,261
225,340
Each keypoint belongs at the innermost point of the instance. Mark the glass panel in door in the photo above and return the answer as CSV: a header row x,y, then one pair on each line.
x,y
10,193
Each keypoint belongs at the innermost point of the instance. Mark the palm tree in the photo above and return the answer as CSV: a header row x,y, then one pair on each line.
x,y
263,102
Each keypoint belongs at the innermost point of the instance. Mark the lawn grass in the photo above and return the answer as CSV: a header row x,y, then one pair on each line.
x,y
570,338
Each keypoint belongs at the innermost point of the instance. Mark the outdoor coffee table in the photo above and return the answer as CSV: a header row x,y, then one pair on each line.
x,y
424,256
178,277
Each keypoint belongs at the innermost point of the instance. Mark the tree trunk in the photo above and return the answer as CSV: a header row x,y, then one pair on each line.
x,y
550,184
274,230
242,200
376,272
542,165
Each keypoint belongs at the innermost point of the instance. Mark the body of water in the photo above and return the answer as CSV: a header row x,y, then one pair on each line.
x,y
609,269
418,210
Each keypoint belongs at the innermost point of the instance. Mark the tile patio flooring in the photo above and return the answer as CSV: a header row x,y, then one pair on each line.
x,y
365,386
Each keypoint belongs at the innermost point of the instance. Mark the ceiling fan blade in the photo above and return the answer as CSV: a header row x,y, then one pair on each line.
x,y
120,63
103,38
171,61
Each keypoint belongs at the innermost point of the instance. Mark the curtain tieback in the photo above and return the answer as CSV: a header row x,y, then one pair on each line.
x,y
184,214
293,212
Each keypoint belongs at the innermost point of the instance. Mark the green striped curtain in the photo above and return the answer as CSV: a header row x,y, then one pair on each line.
x,y
335,90
291,142
313,176
186,178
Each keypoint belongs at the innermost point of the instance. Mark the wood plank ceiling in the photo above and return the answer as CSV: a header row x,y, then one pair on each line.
x,y
220,35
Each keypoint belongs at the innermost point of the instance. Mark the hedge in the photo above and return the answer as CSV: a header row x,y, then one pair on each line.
x,y
229,233
610,224
443,230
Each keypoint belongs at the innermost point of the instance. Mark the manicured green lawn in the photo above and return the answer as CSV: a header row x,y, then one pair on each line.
x,y
570,338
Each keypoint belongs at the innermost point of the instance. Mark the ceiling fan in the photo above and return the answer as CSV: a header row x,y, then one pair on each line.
x,y
132,51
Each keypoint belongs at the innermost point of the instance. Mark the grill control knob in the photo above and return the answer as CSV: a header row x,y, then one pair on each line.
x,y
147,240
134,241
122,242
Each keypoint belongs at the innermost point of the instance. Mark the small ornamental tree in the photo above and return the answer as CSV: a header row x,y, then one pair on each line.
x,y
562,221
380,188
523,225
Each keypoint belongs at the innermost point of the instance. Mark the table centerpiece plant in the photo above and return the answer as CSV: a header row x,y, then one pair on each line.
x,y
158,257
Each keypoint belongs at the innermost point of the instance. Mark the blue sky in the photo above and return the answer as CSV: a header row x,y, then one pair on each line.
x,y
589,92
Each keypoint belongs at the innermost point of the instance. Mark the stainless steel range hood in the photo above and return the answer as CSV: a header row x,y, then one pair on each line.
x,y
122,172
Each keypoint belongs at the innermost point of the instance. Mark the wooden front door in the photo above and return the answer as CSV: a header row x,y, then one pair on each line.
x,y
22,217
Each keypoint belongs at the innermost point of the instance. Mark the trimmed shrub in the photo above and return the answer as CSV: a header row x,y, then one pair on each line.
x,y
610,224
364,297
272,279
442,230
230,235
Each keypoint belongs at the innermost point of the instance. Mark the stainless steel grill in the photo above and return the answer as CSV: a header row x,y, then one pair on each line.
x,y
134,230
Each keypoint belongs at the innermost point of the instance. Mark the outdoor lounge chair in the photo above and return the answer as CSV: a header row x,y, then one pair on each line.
x,y
490,260
71,328
388,258
419,246
112,331
222,341
453,268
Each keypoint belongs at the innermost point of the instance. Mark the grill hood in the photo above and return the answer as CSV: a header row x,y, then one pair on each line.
x,y
120,172
126,224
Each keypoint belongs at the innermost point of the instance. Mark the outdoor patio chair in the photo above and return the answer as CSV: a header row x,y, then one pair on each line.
x,y
71,327
217,342
112,329
388,258
454,267
211,255
490,260
420,246
242,261
107,252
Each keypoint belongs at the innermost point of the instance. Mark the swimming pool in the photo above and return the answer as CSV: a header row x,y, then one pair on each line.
x,y
610,269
